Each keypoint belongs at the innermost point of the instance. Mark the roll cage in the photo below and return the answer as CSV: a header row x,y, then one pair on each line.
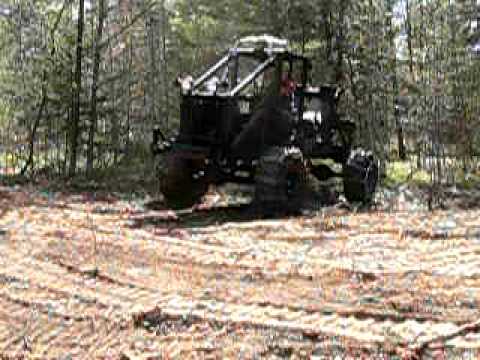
x,y
268,52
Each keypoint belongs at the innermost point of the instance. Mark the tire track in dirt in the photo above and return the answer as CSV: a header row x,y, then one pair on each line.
x,y
242,314
273,312
298,255
96,327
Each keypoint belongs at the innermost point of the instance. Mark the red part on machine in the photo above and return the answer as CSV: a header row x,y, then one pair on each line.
x,y
287,86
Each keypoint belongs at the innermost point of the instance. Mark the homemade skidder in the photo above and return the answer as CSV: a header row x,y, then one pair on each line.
x,y
252,118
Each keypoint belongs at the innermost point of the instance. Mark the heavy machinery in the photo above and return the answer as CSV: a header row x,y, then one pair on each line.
x,y
253,118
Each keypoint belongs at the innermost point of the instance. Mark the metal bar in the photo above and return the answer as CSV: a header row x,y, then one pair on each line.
x,y
301,106
267,51
211,71
236,67
252,76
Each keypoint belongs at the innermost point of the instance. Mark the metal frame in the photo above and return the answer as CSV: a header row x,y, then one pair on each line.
x,y
269,55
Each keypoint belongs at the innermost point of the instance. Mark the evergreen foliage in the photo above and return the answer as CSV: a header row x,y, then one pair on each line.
x,y
408,68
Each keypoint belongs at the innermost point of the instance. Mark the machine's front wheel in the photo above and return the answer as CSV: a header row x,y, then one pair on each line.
x,y
360,176
181,182
280,179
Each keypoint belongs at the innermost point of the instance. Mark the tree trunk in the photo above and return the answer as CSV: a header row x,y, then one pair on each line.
x,y
402,151
166,89
43,102
95,76
340,41
33,132
409,37
74,128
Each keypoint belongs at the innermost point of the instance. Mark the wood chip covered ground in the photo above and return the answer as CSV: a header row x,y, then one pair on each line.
x,y
98,276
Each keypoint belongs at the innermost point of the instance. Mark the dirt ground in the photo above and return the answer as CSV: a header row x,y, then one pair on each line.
x,y
98,276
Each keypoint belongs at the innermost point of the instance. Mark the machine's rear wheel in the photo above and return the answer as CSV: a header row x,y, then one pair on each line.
x,y
360,176
280,179
180,183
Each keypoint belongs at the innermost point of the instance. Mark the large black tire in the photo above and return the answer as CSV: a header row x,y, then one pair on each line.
x,y
360,176
179,182
280,179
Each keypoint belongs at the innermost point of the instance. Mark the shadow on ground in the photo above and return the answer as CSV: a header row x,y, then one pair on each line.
x,y
204,217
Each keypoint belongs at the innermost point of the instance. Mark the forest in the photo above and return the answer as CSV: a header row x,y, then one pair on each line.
x,y
83,83
94,264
